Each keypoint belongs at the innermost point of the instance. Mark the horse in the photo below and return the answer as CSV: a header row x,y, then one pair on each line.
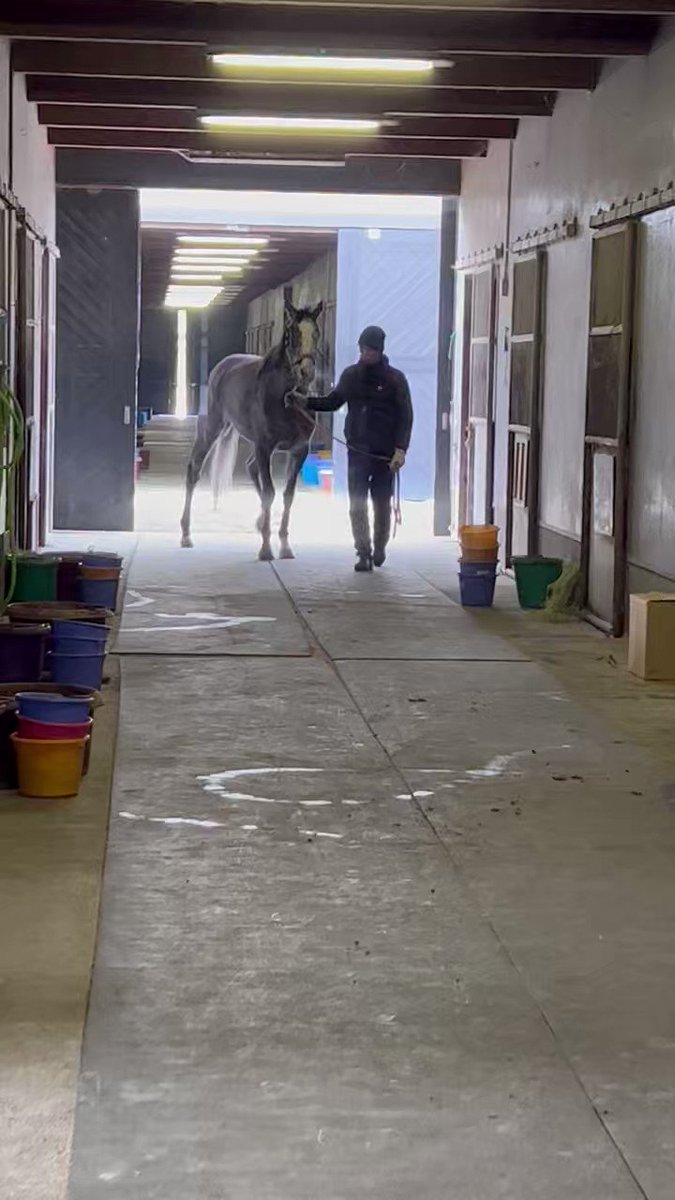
x,y
253,397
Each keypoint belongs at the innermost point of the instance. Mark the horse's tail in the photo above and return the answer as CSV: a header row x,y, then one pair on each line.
x,y
221,461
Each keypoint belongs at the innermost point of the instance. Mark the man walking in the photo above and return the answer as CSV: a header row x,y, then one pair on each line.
x,y
377,431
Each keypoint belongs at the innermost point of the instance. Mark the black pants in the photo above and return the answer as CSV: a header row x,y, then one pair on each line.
x,y
369,476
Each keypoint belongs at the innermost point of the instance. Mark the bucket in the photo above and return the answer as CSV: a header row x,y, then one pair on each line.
x,y
68,577
36,577
469,570
49,770
55,708
80,631
8,723
83,669
44,731
534,576
77,646
101,559
480,556
477,591
22,651
54,610
478,537
99,585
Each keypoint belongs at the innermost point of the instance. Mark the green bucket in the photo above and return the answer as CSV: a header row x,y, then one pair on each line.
x,y
534,576
36,577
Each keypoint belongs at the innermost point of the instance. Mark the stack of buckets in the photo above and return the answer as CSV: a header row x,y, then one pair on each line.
x,y
478,565
90,578
52,743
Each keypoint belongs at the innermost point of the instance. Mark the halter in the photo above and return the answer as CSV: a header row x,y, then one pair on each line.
x,y
295,365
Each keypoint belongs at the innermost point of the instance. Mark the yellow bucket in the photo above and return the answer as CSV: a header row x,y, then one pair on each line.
x,y
49,770
478,537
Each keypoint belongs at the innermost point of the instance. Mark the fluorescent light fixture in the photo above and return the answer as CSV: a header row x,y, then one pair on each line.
x,y
201,254
324,62
215,269
273,124
190,297
235,243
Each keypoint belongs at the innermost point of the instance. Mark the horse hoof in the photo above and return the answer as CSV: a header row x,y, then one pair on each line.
x,y
286,552
265,554
186,542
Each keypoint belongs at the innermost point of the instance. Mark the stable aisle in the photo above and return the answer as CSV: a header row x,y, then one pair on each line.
x,y
385,913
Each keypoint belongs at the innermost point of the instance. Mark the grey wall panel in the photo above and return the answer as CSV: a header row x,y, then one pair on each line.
x,y
97,359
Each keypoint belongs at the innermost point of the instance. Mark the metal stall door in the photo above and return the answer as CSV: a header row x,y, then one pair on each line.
x,y
29,265
478,396
522,512
603,547
47,392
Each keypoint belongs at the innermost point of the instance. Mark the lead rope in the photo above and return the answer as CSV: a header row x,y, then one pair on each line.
x,y
396,511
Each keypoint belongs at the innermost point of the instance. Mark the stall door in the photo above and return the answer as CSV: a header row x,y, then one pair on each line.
x,y
47,393
607,409
29,274
524,405
477,396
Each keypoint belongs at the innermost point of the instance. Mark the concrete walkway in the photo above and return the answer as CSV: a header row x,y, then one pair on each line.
x,y
387,912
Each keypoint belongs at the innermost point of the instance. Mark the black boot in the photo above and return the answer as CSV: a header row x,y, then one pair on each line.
x,y
380,555
364,562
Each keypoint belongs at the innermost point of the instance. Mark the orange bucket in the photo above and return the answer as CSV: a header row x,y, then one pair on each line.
x,y
480,556
49,770
105,573
478,537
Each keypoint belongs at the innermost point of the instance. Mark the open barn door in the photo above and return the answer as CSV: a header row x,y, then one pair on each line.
x,y
603,547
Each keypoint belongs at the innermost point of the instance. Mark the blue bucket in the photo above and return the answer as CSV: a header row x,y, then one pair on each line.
x,y
83,669
101,558
477,591
76,647
53,708
473,570
102,593
80,630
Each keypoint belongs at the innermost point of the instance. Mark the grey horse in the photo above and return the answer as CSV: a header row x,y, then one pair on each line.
x,y
251,397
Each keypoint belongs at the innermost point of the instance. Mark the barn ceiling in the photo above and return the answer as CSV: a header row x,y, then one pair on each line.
x,y
123,87
286,253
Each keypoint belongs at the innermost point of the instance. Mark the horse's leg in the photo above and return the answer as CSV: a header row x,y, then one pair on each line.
x,y
262,458
206,436
296,462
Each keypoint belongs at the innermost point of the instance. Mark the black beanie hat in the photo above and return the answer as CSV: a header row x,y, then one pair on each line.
x,y
373,337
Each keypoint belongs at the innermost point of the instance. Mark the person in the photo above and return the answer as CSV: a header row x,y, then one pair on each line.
x,y
377,431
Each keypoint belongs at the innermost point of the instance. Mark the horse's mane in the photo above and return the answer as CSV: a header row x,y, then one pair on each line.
x,y
275,355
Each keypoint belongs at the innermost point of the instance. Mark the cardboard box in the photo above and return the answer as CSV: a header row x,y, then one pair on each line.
x,y
651,635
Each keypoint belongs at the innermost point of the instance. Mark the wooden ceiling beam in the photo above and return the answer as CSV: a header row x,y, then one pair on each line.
x,y
191,63
344,27
99,117
125,169
272,146
275,98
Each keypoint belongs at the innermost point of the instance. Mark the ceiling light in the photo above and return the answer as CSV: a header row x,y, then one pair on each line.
x,y
216,269
324,62
292,124
233,242
190,297
216,252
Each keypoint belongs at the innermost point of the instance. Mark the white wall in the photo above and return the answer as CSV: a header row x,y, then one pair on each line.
x,y
595,149
30,174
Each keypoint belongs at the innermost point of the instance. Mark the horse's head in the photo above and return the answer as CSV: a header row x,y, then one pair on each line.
x,y
301,342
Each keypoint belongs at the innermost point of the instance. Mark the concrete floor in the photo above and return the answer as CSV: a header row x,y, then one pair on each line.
x,y
388,901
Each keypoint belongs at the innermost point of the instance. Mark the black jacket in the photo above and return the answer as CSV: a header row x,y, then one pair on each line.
x,y
379,408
